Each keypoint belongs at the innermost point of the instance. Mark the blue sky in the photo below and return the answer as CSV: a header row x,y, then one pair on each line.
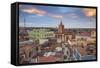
x,y
50,16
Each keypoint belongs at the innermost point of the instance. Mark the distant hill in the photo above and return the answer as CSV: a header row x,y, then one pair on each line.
x,y
55,29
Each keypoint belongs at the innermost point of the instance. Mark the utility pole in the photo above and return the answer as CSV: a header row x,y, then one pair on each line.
x,y
24,22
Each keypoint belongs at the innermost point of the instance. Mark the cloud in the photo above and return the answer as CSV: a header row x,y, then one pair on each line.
x,y
28,24
72,15
90,12
39,12
34,11
55,16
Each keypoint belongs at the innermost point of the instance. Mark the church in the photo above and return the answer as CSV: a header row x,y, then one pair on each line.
x,y
63,35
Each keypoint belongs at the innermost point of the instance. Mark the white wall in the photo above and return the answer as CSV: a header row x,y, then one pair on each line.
x,y
5,34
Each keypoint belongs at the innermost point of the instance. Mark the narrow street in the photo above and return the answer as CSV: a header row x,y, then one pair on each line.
x,y
70,53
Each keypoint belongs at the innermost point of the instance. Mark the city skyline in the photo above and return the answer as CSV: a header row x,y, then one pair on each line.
x,y
50,16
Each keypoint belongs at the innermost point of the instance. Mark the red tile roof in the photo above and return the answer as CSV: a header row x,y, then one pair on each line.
x,y
47,59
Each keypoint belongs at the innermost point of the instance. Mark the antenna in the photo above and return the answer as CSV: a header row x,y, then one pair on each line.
x,y
24,22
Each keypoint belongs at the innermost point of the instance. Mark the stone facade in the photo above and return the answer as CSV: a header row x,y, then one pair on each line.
x,y
63,35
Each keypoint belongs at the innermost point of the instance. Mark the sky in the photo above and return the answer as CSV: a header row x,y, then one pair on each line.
x,y
51,16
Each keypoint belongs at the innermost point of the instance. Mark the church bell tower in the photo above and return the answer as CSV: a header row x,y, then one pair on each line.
x,y
61,28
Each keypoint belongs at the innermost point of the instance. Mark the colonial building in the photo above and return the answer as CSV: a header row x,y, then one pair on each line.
x,y
62,35
23,34
27,51
93,33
